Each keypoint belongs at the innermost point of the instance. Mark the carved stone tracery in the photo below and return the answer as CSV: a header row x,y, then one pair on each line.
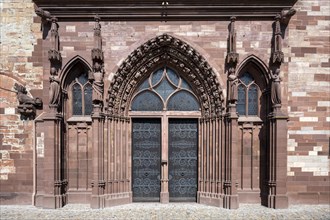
x,y
173,52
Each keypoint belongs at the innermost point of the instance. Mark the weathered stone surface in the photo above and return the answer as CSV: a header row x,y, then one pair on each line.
x,y
305,79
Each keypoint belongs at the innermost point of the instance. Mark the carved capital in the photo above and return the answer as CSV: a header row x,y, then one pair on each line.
x,y
54,56
232,57
97,54
278,57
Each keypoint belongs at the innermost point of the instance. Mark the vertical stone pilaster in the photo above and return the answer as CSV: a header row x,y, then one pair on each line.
x,y
231,159
278,128
51,185
231,124
277,190
98,183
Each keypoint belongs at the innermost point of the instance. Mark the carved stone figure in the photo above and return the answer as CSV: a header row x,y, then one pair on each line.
x,y
54,88
98,84
276,88
54,34
233,81
27,105
286,15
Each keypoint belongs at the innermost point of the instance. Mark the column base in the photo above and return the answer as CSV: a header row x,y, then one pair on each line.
x,y
230,202
50,201
278,201
109,200
164,197
211,199
97,202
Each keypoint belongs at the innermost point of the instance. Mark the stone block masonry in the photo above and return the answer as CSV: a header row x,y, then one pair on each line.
x,y
308,101
19,63
305,82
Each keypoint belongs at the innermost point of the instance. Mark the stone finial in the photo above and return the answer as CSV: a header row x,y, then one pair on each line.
x,y
97,53
54,54
278,56
232,56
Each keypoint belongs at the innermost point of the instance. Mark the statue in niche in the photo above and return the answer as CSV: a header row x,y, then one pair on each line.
x,y
233,81
98,85
276,87
54,88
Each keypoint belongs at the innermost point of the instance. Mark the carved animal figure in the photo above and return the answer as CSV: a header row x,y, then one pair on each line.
x,y
22,96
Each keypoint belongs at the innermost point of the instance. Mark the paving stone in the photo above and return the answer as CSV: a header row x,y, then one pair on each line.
x,y
173,211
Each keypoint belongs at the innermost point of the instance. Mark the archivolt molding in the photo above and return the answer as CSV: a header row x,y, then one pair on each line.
x,y
165,49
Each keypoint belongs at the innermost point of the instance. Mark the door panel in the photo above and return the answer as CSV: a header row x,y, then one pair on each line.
x,y
183,140
146,143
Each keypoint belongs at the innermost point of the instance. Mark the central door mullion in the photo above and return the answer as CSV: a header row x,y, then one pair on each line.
x,y
164,194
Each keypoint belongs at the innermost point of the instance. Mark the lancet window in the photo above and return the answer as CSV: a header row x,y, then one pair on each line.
x,y
248,96
81,96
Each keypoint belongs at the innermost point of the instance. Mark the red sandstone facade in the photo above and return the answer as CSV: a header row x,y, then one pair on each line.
x,y
261,87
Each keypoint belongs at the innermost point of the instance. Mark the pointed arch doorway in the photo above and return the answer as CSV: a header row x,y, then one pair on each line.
x,y
165,114
166,101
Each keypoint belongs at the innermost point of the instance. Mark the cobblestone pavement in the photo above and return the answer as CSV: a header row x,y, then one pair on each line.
x,y
171,211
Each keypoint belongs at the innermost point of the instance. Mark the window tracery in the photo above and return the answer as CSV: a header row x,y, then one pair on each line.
x,y
164,89
248,96
81,96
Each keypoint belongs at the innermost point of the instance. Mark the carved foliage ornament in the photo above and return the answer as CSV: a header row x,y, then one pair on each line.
x,y
174,52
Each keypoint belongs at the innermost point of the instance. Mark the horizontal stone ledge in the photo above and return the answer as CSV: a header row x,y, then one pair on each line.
x,y
85,12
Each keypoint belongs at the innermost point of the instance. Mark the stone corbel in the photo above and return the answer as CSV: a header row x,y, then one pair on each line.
x,y
45,17
27,105
286,15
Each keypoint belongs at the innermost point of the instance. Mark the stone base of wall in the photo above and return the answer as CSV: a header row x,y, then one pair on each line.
x,y
10,198
309,198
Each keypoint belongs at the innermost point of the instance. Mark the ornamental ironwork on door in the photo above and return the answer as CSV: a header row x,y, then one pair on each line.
x,y
183,140
146,159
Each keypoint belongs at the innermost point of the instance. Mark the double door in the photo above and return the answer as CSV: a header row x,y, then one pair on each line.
x,y
151,152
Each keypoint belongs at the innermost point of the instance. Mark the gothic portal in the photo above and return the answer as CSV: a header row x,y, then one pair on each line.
x,y
161,133
213,102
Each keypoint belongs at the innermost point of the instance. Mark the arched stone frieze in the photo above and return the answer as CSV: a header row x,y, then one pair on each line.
x,y
165,50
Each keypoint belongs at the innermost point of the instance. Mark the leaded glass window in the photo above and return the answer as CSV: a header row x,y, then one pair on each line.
x,y
81,96
248,96
164,89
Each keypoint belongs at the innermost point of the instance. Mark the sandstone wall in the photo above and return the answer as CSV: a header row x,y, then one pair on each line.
x,y
305,75
20,33
309,102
